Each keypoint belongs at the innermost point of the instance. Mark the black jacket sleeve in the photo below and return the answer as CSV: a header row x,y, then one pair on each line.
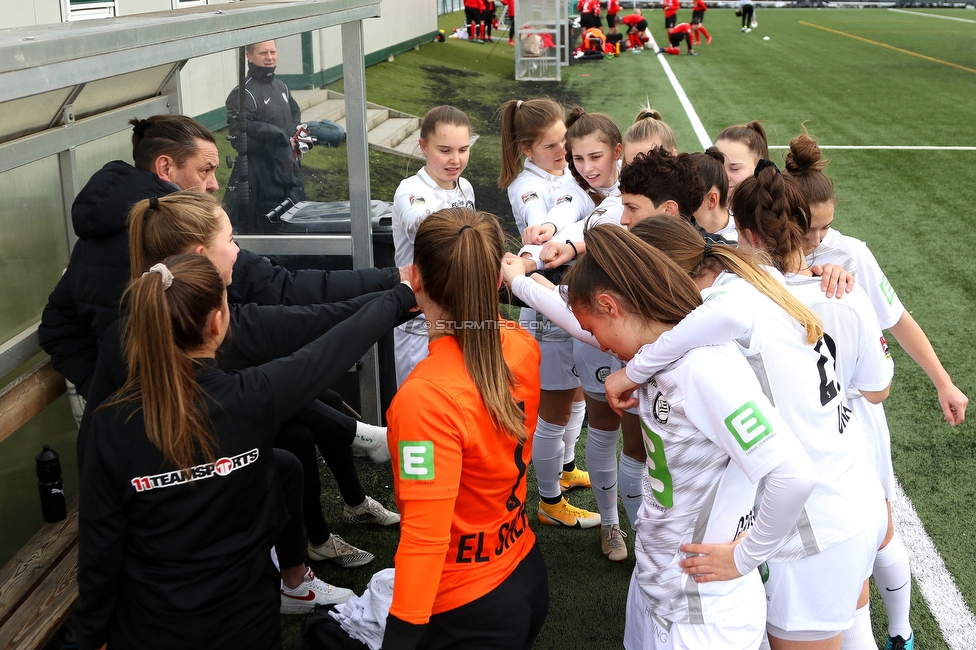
x,y
109,376
68,337
262,136
101,544
291,383
258,280
262,333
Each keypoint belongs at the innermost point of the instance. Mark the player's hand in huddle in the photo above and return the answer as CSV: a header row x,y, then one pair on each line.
x,y
620,391
834,280
538,234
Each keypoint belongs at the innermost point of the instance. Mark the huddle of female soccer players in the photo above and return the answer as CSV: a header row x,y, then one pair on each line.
x,y
735,503
753,523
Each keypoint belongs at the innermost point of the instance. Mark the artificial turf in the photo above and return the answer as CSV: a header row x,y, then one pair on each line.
x,y
913,208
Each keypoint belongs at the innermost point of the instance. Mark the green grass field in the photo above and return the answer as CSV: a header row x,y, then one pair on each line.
x,y
855,78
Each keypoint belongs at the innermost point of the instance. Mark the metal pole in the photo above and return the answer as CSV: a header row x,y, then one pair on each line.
x,y
357,157
240,163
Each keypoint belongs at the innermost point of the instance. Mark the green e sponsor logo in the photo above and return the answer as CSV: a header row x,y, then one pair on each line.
x,y
416,460
887,290
748,425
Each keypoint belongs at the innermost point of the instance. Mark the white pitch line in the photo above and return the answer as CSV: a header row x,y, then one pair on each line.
x,y
920,13
696,123
957,623
888,147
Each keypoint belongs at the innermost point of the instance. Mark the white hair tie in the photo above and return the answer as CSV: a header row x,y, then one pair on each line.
x,y
518,104
167,275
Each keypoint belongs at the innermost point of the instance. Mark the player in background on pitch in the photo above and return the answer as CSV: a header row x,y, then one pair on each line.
x,y
636,28
445,140
677,35
697,22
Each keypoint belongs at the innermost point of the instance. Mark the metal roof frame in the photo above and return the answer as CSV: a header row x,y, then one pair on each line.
x,y
42,58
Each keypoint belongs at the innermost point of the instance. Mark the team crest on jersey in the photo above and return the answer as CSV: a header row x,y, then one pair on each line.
x,y
529,196
416,199
884,347
661,409
565,198
602,373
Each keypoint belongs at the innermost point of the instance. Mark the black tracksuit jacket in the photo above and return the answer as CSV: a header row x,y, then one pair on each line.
x,y
165,563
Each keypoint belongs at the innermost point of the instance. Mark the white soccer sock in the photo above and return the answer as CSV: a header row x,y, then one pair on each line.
x,y
601,462
860,636
630,482
371,439
547,457
572,433
893,577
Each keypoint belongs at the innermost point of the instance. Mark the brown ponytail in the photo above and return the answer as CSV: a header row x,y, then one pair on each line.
x,y
753,135
459,253
646,281
805,164
772,206
649,125
170,225
522,124
163,326
711,167
680,241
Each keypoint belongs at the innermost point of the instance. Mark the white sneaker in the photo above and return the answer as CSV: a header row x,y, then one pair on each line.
x,y
372,440
748,30
370,511
743,29
310,593
335,549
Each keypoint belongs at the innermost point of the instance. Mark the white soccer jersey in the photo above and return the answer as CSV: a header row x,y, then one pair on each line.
x,y
729,232
609,211
538,197
417,198
710,436
799,379
851,332
867,271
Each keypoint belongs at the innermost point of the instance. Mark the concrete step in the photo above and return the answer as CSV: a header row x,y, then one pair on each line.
x,y
393,131
388,130
330,109
308,98
374,118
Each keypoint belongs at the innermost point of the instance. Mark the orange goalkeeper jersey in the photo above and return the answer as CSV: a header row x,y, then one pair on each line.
x,y
459,480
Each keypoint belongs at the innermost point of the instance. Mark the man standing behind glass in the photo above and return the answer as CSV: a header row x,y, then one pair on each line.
x,y
274,163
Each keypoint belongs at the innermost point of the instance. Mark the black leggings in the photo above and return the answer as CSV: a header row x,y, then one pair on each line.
x,y
297,437
290,543
746,15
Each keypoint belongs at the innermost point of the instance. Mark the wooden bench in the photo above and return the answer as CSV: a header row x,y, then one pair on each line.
x,y
38,587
